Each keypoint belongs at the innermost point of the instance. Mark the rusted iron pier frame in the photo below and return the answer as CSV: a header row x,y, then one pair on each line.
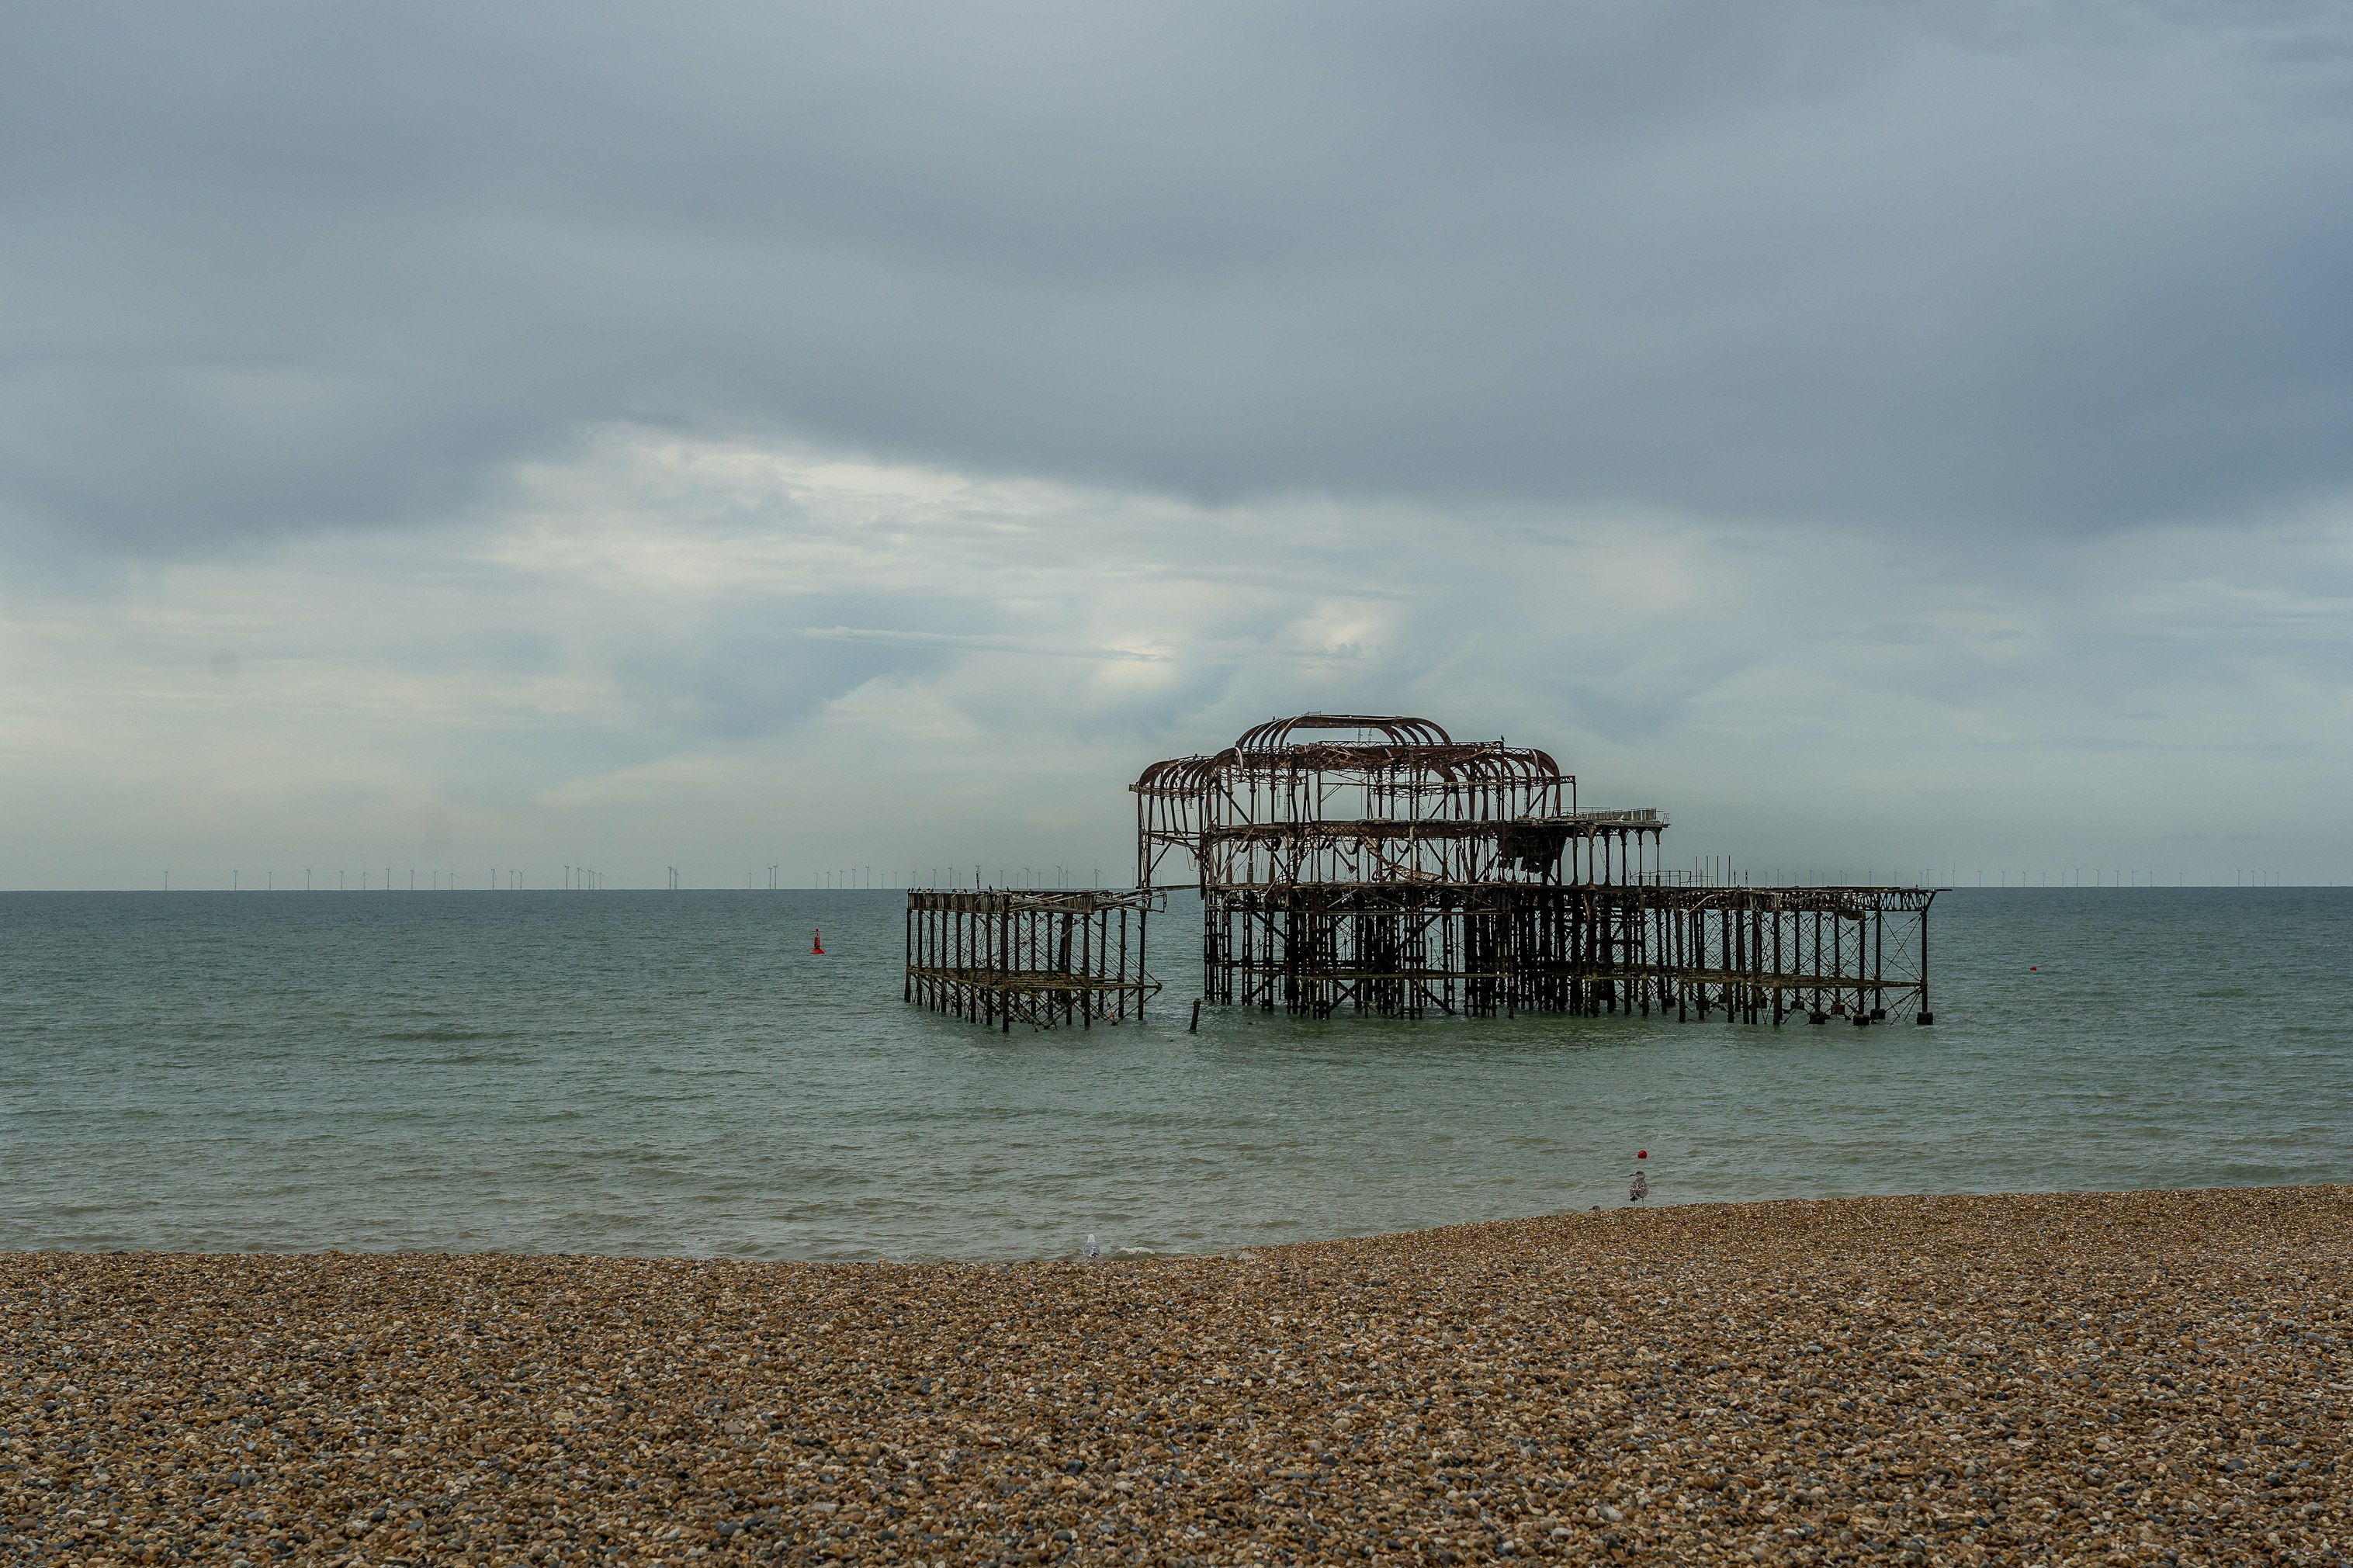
x,y
1750,955
1038,956
1374,863
1400,801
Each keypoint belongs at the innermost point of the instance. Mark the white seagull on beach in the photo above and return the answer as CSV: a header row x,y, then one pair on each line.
x,y
1093,1248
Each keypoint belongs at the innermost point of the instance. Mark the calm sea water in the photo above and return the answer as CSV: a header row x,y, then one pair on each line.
x,y
671,1073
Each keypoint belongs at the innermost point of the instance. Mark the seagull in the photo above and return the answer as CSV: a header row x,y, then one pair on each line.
x,y
1093,1248
1639,1188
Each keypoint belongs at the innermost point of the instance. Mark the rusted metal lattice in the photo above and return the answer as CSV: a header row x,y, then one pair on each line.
x,y
1038,956
1375,864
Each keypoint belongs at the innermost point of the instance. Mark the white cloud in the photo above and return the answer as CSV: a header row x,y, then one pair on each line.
x,y
720,654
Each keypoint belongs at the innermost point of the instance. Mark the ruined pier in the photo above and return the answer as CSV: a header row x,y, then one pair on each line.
x,y
1373,864
1036,956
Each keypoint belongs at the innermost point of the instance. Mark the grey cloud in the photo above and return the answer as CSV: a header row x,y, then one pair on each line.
x,y
276,268
752,670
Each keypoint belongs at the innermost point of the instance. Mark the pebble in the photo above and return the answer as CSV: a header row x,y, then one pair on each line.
x,y
2102,1378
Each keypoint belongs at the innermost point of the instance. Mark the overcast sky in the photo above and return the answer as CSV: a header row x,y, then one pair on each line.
x,y
1894,439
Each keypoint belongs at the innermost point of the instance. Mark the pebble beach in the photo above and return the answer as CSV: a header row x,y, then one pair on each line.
x,y
2092,1378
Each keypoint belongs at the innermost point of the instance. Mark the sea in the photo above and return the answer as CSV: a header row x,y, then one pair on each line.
x,y
676,1074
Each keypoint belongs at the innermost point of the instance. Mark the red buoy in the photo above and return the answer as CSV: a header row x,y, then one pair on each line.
x,y
817,944
1641,1154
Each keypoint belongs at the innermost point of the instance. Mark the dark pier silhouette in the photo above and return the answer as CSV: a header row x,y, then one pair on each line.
x,y
1038,956
1373,864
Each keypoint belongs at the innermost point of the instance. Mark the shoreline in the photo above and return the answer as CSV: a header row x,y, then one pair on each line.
x,y
1654,1204
1991,1377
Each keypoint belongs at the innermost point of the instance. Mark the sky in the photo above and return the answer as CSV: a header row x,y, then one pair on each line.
x,y
470,441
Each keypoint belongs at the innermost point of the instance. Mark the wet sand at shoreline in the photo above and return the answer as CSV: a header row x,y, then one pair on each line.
x,y
2131,1377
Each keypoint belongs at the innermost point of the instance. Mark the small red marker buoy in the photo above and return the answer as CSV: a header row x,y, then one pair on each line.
x,y
2033,968
817,944
1641,1154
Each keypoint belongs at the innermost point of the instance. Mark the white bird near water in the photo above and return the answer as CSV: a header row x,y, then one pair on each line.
x,y
1639,1188
1093,1248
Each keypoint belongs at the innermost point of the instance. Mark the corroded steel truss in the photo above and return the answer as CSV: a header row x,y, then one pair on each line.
x,y
1038,956
1375,864
1398,803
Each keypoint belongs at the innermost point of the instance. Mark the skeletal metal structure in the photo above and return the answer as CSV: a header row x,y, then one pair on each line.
x,y
1348,861
1038,956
